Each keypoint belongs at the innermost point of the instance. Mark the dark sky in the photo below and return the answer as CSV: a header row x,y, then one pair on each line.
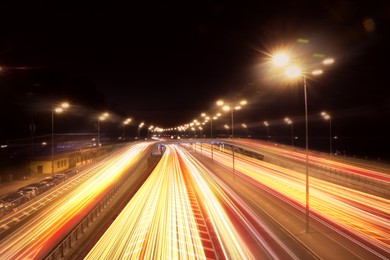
x,y
165,62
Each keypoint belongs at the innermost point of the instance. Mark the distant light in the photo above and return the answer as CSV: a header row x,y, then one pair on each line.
x,y
3,146
328,61
65,105
243,102
220,103
318,55
317,72
302,40
58,109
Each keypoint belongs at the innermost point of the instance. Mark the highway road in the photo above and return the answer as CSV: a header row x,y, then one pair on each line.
x,y
181,212
380,174
40,234
360,217
192,207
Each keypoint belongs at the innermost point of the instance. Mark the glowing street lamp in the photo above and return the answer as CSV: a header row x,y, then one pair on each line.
x,y
125,122
266,124
59,109
102,117
293,71
139,129
246,129
150,129
290,122
231,108
326,116
210,118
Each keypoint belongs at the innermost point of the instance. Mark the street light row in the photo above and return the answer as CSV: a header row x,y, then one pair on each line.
x,y
205,118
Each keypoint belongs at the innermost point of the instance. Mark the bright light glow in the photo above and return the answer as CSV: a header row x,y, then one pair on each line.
x,y
225,108
58,110
325,115
293,71
266,123
65,105
328,61
280,59
237,107
220,103
243,102
316,72
203,114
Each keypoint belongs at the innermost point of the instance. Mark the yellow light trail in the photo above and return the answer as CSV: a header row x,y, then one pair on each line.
x,y
36,238
160,223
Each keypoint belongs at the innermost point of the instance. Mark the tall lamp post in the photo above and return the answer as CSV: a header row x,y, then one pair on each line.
x,y
266,124
326,116
125,122
139,129
150,129
102,117
58,109
246,129
210,118
231,108
290,122
292,71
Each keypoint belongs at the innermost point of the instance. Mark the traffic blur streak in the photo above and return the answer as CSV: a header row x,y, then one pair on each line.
x,y
159,221
315,159
264,244
366,216
37,238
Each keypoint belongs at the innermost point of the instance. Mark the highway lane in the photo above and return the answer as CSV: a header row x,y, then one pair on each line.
x,y
382,175
162,220
37,237
364,217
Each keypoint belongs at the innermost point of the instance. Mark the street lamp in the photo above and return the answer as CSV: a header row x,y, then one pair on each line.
x,y
58,109
292,71
290,122
266,124
246,129
326,116
211,118
227,128
149,129
231,107
126,122
102,117
139,129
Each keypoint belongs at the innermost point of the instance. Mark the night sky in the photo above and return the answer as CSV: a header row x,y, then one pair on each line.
x,y
166,62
